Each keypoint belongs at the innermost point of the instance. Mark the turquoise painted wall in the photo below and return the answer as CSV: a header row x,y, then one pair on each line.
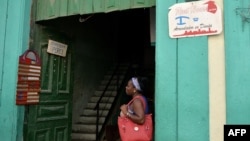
x,y
182,100
14,39
237,35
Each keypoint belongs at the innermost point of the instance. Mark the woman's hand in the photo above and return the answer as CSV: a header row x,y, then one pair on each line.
x,y
124,109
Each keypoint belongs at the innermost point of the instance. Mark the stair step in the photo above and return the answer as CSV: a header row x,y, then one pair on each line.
x,y
103,106
113,82
90,120
107,93
90,112
110,88
83,136
85,128
115,77
105,99
83,140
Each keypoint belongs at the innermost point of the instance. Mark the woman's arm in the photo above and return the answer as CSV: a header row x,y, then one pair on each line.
x,y
137,107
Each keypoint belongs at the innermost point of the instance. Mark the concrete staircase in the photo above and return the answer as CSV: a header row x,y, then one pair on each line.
x,y
85,128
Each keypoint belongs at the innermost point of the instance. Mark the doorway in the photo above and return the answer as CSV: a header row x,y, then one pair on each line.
x,y
100,40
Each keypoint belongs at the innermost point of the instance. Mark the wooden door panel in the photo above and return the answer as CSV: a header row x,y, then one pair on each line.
x,y
45,134
64,75
49,111
41,135
47,74
50,120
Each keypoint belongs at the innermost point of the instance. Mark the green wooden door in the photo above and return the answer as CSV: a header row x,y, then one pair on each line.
x,y
50,120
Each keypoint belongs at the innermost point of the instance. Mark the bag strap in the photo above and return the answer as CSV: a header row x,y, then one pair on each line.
x,y
141,98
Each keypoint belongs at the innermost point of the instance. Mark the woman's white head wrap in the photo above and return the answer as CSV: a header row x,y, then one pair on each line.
x,y
136,83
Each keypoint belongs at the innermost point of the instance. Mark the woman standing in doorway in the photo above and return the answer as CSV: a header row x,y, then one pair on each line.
x,y
136,112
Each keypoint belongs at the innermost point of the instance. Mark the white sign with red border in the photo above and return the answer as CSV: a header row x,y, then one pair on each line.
x,y
197,18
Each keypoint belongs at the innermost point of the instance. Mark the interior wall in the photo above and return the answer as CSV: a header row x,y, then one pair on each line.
x,y
93,56
132,35
152,25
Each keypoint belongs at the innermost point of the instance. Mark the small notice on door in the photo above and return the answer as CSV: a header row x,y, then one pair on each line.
x,y
57,48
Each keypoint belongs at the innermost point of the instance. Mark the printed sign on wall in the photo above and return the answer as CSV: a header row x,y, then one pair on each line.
x,y
197,18
57,48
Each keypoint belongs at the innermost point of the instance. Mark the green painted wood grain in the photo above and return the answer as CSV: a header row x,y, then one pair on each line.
x,y
181,83
47,9
237,41
165,78
15,40
3,16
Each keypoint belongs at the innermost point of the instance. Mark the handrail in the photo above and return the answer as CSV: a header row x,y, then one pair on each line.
x,y
99,101
104,91
119,88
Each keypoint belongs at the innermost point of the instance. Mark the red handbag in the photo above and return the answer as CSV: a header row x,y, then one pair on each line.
x,y
130,131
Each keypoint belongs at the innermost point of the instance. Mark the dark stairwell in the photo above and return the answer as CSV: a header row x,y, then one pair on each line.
x,y
98,112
